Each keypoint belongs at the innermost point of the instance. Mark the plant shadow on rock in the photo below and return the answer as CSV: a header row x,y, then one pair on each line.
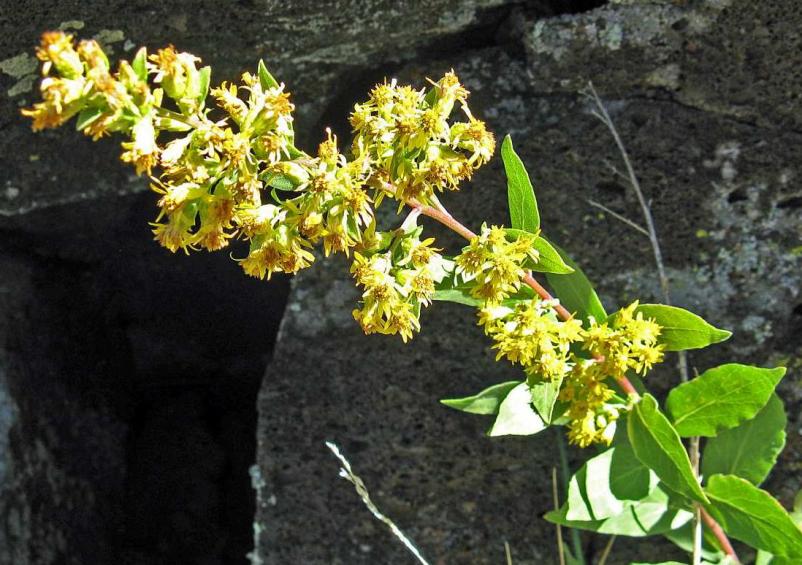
x,y
134,374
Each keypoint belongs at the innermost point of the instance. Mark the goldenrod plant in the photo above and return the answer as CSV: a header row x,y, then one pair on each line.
x,y
231,170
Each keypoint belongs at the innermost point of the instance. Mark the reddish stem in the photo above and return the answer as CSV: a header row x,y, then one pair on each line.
x,y
723,541
448,220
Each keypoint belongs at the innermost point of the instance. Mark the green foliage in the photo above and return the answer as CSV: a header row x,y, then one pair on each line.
x,y
516,416
524,214
265,78
751,449
549,259
721,398
657,445
544,395
575,290
681,329
654,514
486,402
753,516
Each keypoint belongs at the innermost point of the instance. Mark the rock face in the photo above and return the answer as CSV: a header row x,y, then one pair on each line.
x,y
128,377
705,101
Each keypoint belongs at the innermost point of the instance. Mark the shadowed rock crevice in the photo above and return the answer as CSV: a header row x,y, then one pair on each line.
x,y
132,374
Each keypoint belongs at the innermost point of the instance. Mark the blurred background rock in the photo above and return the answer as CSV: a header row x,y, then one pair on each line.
x,y
151,411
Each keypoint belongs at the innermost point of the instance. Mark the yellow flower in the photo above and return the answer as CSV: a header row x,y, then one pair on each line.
x,y
493,265
142,151
57,50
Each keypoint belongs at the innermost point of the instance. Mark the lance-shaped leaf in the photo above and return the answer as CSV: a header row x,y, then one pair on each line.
x,y
721,398
681,329
652,515
449,290
544,396
753,516
575,290
549,259
520,194
750,450
87,117
486,402
139,64
657,445
266,80
516,416
204,77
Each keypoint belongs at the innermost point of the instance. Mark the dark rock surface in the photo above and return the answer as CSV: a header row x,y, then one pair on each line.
x,y
128,377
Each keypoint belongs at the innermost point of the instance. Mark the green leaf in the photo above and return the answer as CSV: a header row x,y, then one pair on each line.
x,y
598,502
520,194
750,450
629,478
681,329
516,416
721,398
204,77
661,563
544,396
139,64
549,260
265,78
575,290
595,491
766,558
486,402
652,515
448,290
86,117
753,516
657,445
280,182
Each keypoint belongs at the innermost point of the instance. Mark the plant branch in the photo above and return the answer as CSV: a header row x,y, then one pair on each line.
x,y
722,538
444,217
607,549
618,216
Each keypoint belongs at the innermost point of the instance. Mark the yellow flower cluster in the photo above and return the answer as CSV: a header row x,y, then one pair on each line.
x,y
494,263
627,342
216,174
530,334
406,135
398,276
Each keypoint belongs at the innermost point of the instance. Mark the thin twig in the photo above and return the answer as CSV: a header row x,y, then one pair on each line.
x,y
607,549
560,548
507,552
618,216
682,359
348,474
605,118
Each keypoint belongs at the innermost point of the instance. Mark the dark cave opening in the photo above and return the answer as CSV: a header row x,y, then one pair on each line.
x,y
137,370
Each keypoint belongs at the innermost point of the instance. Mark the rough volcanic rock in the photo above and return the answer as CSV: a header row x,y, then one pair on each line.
x,y
722,173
